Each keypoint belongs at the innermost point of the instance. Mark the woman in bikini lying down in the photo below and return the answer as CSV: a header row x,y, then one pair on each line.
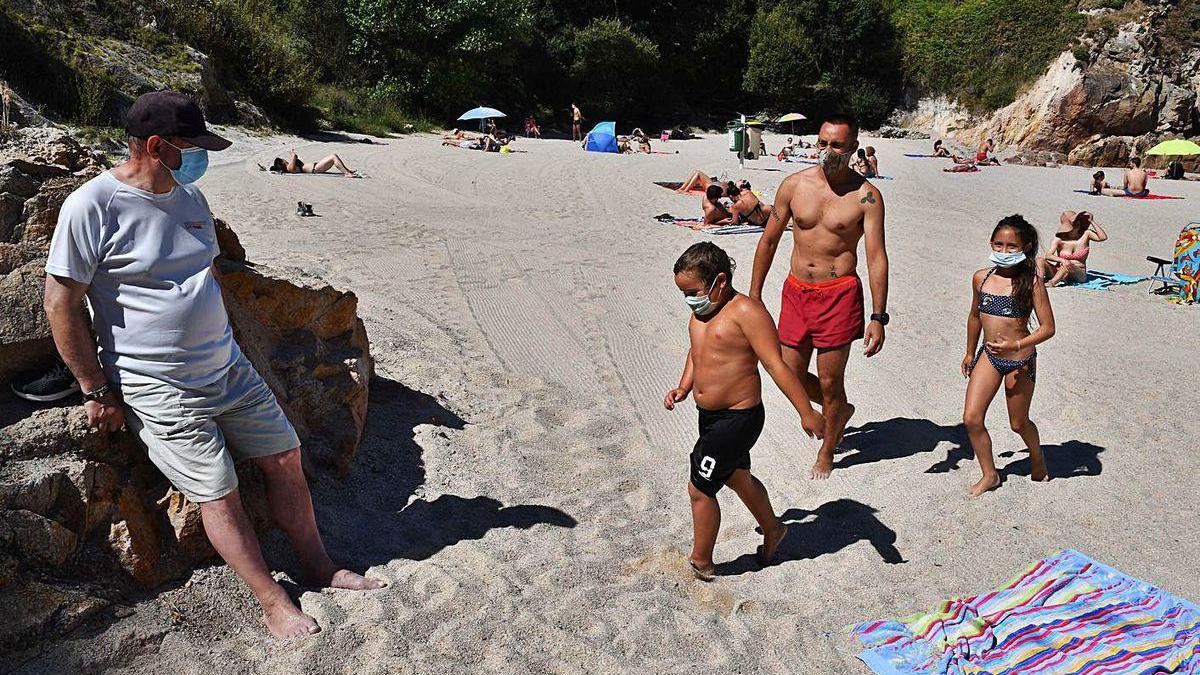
x,y
295,165
1068,254
696,181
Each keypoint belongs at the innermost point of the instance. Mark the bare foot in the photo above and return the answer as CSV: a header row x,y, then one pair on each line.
x,y
823,467
703,572
1038,471
345,579
985,484
770,545
285,620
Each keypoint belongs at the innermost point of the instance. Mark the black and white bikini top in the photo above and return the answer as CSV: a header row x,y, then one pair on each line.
x,y
997,305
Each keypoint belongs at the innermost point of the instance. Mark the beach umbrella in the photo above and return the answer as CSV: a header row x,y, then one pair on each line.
x,y
481,114
1175,147
793,118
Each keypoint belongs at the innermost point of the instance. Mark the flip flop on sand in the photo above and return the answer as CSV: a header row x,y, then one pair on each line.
x,y
705,575
760,554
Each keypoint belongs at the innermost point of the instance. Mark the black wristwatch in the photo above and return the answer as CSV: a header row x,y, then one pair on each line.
x,y
882,318
97,394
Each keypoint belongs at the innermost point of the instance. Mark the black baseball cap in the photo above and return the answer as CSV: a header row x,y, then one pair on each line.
x,y
170,113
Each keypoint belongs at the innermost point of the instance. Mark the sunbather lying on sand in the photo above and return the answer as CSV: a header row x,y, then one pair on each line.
x,y
697,180
295,165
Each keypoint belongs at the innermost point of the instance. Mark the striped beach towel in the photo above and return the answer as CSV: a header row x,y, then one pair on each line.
x,y
1065,614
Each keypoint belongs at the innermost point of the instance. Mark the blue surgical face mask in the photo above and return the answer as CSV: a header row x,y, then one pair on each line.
x,y
700,304
193,162
1007,259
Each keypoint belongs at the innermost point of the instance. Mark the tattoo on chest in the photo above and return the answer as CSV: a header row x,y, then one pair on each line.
x,y
869,199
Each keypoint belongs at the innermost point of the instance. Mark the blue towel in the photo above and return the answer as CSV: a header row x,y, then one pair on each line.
x,y
1100,281
733,229
907,154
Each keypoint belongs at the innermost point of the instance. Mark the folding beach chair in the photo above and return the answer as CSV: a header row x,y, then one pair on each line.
x,y
1183,272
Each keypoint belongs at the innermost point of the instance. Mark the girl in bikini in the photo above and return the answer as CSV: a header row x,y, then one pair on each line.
x,y
1002,299
1067,257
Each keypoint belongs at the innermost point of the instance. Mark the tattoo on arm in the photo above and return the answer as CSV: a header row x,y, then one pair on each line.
x,y
869,199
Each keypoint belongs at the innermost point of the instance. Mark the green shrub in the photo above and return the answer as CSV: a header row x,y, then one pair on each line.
x,y
362,112
252,48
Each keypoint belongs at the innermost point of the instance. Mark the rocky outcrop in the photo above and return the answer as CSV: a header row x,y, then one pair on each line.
x,y
1132,81
83,511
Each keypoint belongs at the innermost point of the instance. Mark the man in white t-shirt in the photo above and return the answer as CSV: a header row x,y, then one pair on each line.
x,y
138,242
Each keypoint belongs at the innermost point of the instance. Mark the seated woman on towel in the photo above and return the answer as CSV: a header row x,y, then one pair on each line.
x,y
1067,257
295,165
496,139
940,150
1099,186
747,208
715,212
643,140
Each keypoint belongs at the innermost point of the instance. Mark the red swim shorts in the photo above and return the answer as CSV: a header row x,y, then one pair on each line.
x,y
829,313
981,156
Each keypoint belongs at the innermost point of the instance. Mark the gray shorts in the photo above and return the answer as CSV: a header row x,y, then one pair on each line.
x,y
194,436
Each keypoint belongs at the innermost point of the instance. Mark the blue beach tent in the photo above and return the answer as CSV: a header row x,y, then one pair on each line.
x,y
603,138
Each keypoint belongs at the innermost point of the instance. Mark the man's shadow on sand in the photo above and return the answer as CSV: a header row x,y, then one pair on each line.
x,y
902,437
830,528
371,516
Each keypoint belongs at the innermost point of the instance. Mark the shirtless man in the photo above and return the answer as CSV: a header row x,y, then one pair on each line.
x,y
1135,179
985,154
576,117
832,208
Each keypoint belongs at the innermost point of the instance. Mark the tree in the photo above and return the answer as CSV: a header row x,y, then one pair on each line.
x,y
615,71
438,56
826,54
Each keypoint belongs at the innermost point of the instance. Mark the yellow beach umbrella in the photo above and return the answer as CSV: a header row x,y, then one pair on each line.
x,y
793,118
1175,147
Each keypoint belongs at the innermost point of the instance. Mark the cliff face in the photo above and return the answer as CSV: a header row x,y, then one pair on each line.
x,y
1134,79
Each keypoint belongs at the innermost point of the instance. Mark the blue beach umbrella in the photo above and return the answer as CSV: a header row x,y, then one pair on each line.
x,y
481,114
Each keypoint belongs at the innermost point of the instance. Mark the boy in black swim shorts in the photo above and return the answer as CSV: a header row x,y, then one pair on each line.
x,y
730,335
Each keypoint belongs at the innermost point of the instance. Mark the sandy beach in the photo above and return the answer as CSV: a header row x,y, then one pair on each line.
x,y
523,490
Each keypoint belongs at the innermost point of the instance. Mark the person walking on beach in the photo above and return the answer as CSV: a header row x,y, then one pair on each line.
x,y
576,119
832,208
730,335
138,242
1002,298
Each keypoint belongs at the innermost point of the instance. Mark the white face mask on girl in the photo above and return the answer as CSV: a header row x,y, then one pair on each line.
x,y
1007,259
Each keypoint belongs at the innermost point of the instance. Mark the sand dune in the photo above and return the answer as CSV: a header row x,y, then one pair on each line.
x,y
523,490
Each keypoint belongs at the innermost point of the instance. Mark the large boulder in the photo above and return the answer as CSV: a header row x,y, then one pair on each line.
x,y
25,339
307,341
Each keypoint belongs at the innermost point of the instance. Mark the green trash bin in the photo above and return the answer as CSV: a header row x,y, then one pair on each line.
x,y
736,136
